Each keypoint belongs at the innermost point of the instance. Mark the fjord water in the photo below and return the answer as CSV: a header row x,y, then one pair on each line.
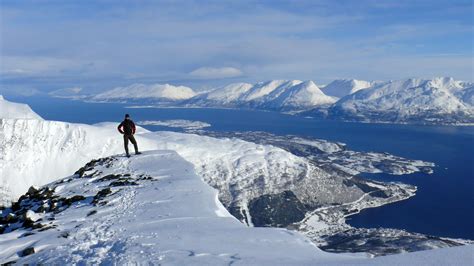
x,y
444,202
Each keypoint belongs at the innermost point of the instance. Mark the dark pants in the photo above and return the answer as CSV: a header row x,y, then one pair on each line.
x,y
126,138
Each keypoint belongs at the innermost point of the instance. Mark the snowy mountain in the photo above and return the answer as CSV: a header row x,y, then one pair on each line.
x,y
253,176
342,87
273,95
409,101
147,209
152,209
419,101
154,92
102,213
36,152
465,92
12,110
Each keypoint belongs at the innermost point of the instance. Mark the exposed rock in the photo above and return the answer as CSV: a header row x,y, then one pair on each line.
x,y
101,194
73,199
123,182
26,252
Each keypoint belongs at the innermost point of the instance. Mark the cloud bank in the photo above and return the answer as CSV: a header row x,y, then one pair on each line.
x,y
101,44
216,72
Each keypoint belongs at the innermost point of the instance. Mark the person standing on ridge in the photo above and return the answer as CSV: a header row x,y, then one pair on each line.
x,y
127,128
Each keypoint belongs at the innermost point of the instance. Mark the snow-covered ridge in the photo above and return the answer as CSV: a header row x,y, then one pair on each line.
x,y
273,95
153,208
11,110
165,92
36,152
411,100
440,100
342,87
147,209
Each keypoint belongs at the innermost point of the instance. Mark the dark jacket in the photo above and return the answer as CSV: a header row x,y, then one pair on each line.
x,y
127,127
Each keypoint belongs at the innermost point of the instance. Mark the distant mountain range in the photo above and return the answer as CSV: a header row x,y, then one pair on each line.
x,y
153,92
420,101
271,95
439,100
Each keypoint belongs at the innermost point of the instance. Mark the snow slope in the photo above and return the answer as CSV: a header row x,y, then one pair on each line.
x,y
152,209
11,110
36,152
342,87
411,100
414,100
229,93
165,92
171,216
466,93
274,95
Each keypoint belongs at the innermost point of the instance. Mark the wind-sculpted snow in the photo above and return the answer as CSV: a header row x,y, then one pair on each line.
x,y
35,152
11,110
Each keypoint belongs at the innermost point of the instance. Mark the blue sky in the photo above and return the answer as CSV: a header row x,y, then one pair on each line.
x,y
47,45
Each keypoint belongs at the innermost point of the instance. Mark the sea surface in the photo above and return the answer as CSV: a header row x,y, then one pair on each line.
x,y
443,205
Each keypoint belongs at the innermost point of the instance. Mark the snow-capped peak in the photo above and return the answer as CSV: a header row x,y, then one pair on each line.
x,y
445,83
11,110
143,91
270,89
273,94
229,93
408,100
305,95
342,87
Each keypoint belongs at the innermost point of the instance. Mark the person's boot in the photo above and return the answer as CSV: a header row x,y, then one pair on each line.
x,y
128,155
137,152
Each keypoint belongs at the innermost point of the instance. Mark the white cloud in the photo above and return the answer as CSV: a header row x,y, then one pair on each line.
x,y
216,73
158,42
44,65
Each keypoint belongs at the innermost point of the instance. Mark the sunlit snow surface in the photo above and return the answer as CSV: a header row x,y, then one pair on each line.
x,y
11,110
306,185
168,216
155,209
